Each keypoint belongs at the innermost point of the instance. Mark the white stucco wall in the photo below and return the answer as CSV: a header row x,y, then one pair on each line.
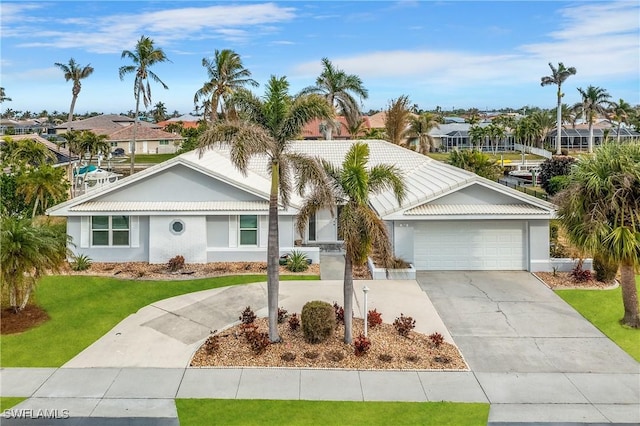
x,y
539,246
192,243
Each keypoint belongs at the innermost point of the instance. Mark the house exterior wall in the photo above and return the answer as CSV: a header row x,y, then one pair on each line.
x,y
179,184
110,254
148,147
217,231
191,242
539,246
474,194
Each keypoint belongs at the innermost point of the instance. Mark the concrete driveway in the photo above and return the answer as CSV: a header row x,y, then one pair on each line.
x,y
534,356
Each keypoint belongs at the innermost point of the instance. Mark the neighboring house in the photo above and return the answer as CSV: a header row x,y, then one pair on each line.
x,y
63,155
314,130
577,138
188,121
38,126
150,139
203,208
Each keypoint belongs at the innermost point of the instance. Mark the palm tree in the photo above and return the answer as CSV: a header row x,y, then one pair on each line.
x,y
397,120
144,56
621,112
26,253
495,132
226,75
600,209
558,76
74,72
340,89
3,96
41,185
93,144
526,131
362,229
159,112
355,124
31,152
594,101
269,124
543,124
477,136
477,162
419,128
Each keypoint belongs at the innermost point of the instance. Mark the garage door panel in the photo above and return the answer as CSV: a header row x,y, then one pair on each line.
x,y
472,245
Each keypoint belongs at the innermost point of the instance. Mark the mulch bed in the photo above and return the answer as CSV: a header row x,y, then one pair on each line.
x,y
29,317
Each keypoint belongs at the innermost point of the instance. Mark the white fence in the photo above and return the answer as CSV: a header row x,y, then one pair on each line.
x,y
532,150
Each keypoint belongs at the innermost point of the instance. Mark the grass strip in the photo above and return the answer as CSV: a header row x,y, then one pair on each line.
x,y
196,412
84,308
604,309
7,402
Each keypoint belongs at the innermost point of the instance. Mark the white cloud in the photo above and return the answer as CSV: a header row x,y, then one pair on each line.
x,y
41,74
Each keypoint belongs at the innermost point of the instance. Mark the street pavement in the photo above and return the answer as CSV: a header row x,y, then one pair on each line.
x,y
532,357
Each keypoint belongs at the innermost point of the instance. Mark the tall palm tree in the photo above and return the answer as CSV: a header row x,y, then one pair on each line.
x,y
594,102
419,128
600,209
363,231
226,74
621,112
397,120
558,76
269,124
144,56
74,72
42,184
26,253
355,124
495,132
3,96
340,89
543,124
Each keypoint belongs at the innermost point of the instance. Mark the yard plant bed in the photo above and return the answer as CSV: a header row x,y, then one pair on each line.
x,y
388,351
30,316
563,280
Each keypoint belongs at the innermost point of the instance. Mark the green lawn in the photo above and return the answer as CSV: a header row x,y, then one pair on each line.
x,y
82,309
9,401
195,412
603,308
153,158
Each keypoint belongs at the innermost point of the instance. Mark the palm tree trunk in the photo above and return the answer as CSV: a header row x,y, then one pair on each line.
x,y
35,207
71,108
273,255
135,130
559,122
214,109
590,142
348,299
629,296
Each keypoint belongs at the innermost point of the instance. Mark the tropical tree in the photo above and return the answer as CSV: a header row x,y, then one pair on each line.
x,y
477,162
526,131
595,101
419,128
267,127
621,112
159,112
91,143
600,209
362,229
477,136
226,75
558,76
27,252
397,120
74,72
144,56
495,132
543,123
3,96
355,124
42,184
340,89
375,133
29,152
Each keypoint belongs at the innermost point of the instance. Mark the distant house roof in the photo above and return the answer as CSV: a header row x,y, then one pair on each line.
x,y
312,130
188,121
143,132
63,155
104,124
448,120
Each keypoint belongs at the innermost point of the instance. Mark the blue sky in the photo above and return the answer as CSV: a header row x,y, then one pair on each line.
x,y
439,53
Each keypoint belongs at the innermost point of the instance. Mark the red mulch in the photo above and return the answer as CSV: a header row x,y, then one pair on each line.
x,y
29,317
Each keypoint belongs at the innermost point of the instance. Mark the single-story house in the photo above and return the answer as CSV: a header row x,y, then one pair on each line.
x,y
203,208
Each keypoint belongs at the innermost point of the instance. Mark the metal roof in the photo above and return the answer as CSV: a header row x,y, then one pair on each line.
x,y
474,209
170,206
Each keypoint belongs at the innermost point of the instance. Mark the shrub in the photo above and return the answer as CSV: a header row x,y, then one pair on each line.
x,y
294,322
437,339
557,184
412,358
404,325
339,312
311,354
175,263
288,356
318,321
558,165
297,261
212,344
81,263
580,275
374,318
385,357
248,316
605,270
361,345
258,341
282,315
335,356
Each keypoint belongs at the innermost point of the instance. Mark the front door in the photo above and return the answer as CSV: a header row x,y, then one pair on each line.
x,y
326,226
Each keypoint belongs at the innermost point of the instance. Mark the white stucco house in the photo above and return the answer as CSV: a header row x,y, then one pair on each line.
x,y
203,208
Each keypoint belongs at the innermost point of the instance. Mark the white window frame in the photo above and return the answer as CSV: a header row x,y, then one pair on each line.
x,y
256,230
110,230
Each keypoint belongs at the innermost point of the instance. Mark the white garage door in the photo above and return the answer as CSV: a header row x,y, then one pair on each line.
x,y
470,245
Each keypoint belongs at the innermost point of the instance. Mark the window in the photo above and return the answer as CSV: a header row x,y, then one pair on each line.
x,y
177,227
113,144
248,230
110,230
312,227
164,142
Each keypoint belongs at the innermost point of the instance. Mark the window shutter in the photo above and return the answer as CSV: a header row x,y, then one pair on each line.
x,y
233,231
263,230
85,231
134,231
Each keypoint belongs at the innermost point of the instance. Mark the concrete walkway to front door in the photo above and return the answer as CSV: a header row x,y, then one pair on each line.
x,y
535,357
